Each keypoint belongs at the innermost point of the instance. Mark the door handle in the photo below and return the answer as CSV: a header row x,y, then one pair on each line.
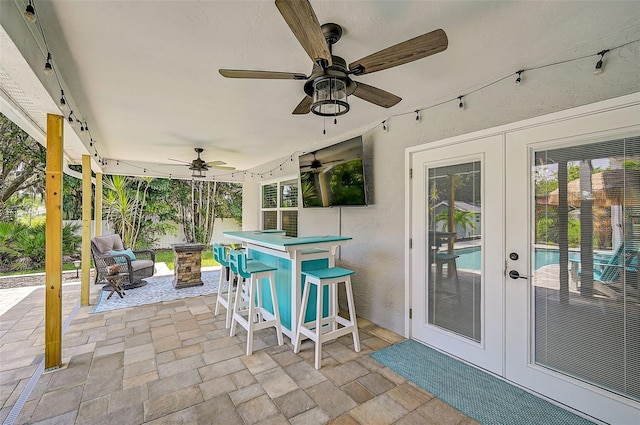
x,y
513,274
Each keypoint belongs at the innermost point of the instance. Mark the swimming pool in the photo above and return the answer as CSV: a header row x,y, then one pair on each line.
x,y
470,257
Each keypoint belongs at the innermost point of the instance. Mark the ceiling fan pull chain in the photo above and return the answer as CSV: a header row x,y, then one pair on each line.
x,y
324,125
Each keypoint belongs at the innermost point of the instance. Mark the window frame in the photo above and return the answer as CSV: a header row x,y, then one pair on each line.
x,y
279,183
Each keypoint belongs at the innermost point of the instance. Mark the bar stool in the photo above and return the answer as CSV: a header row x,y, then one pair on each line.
x,y
248,299
442,258
225,298
315,330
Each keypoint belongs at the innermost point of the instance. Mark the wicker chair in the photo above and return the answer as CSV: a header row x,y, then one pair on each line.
x,y
104,250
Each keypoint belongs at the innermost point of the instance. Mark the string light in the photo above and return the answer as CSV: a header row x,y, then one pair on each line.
x,y
599,64
519,79
63,102
30,12
48,68
31,16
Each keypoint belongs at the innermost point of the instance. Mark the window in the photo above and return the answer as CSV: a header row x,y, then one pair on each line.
x,y
279,206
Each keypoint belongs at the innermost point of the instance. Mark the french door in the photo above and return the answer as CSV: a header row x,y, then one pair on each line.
x,y
456,255
573,321
525,262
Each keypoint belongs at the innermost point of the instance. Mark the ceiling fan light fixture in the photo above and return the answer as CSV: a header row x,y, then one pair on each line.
x,y
329,97
198,174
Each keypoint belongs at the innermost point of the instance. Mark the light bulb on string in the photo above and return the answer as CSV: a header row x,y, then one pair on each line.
x,y
63,102
384,125
417,115
48,68
30,12
600,62
461,103
519,78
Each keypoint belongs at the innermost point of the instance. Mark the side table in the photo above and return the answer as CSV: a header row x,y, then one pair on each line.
x,y
115,282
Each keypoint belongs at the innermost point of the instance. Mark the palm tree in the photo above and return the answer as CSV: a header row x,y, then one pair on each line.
x,y
461,218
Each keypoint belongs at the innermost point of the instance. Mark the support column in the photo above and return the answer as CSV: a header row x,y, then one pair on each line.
x,y
53,249
97,207
86,230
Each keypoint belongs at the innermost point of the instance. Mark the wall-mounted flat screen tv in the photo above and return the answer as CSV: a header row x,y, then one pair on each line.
x,y
333,176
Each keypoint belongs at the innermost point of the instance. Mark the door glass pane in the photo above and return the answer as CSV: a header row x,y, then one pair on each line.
x,y
454,283
585,289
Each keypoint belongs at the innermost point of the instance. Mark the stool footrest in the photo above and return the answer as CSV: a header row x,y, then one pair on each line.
x,y
328,335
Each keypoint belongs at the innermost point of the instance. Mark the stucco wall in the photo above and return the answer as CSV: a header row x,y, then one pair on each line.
x,y
377,250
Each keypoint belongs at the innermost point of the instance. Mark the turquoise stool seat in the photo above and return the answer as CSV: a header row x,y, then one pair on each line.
x,y
226,294
248,311
324,329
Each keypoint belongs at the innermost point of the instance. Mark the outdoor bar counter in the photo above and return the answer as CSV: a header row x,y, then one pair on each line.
x,y
290,255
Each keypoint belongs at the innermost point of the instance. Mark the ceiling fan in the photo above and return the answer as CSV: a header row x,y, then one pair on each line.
x,y
329,84
316,165
199,166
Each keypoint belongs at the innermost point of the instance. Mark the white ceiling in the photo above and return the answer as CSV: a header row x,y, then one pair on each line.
x,y
144,74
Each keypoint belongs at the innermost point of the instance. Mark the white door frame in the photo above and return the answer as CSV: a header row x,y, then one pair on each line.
x,y
619,115
489,151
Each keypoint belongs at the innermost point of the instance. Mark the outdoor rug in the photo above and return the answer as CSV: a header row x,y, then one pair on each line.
x,y
157,290
477,394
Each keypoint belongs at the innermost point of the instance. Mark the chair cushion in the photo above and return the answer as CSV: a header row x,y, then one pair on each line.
x,y
108,243
141,264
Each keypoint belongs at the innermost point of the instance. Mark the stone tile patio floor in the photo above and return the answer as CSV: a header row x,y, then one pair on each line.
x,y
174,363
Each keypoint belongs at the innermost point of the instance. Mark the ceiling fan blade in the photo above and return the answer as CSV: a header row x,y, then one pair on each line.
x,y
267,75
222,167
304,107
417,48
376,95
178,160
302,21
214,163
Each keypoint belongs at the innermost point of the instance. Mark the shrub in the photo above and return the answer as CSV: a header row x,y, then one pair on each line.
x,y
23,247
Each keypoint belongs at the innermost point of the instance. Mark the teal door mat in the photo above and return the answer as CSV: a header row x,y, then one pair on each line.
x,y
475,393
